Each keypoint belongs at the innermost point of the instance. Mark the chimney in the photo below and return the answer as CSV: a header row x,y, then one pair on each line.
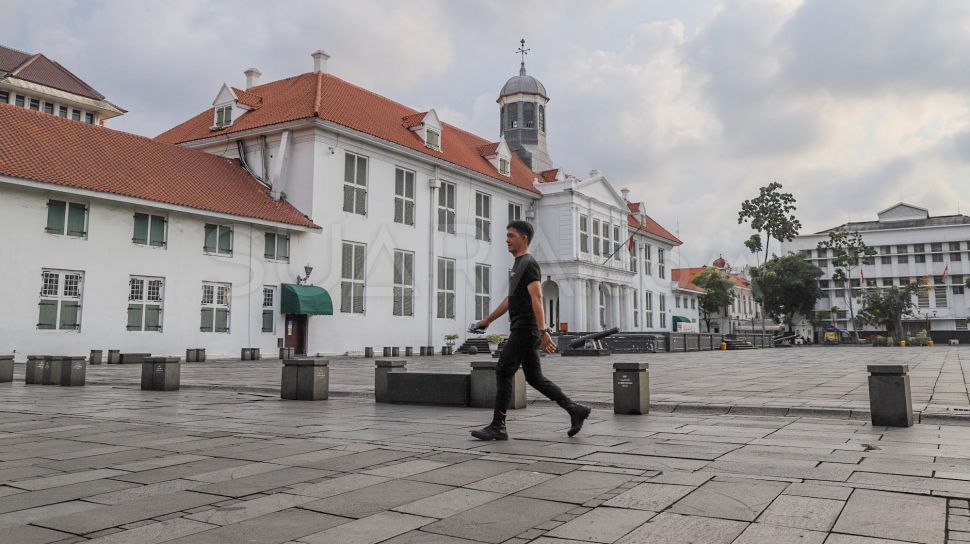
x,y
320,60
252,77
626,194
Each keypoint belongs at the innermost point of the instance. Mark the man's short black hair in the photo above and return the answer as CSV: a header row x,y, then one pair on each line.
x,y
523,228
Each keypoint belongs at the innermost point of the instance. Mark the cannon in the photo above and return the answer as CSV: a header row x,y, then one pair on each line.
x,y
589,344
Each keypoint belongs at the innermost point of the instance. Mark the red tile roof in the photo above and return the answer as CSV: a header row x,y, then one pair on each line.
x,y
488,150
332,99
549,175
46,148
413,120
40,69
690,273
649,225
248,99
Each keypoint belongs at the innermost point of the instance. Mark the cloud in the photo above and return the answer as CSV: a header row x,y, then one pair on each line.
x,y
693,106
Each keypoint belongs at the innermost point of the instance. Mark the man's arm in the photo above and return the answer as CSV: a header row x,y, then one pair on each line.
x,y
498,312
535,294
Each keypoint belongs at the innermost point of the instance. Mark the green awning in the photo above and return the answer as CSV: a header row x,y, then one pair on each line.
x,y
680,319
305,299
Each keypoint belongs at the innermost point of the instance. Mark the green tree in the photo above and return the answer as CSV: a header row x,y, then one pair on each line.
x,y
787,286
888,306
770,214
718,294
849,252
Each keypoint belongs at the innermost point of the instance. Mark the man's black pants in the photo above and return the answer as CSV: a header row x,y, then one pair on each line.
x,y
520,350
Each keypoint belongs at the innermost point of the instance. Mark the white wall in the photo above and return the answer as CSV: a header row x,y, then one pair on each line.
x,y
107,257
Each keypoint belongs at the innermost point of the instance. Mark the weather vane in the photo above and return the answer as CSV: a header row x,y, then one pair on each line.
x,y
522,50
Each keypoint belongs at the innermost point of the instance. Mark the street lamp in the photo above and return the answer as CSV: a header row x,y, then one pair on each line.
x,y
308,270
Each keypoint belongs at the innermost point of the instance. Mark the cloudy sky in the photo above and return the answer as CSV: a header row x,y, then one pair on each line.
x,y
852,105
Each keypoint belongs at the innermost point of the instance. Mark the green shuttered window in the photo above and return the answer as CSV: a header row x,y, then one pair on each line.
x,y
145,302
277,246
69,218
269,304
218,239
215,307
149,230
59,307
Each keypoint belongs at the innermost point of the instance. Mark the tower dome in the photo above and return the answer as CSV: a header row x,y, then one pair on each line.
x,y
522,117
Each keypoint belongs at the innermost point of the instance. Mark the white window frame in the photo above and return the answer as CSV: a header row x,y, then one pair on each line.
x,y
445,296
647,260
661,264
663,311
583,233
515,212
403,290
446,207
648,309
223,116
355,183
404,203
276,255
216,297
66,219
220,229
504,166
432,139
483,290
483,216
56,289
150,227
607,228
145,291
268,308
634,259
353,280
597,239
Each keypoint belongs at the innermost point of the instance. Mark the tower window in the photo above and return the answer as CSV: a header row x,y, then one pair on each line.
x,y
529,114
434,139
542,118
513,119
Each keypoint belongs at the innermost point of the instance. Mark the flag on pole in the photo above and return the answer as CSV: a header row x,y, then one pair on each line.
x,y
631,243
946,271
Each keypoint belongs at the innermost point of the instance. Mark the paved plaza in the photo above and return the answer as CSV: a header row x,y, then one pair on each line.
x,y
812,380
111,464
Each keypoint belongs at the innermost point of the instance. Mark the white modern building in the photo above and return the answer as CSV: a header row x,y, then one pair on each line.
x,y
306,212
911,244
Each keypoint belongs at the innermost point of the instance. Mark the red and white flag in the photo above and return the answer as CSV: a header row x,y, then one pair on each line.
x,y
946,271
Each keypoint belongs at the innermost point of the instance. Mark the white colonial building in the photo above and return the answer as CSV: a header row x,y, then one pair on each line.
x,y
743,314
911,244
306,212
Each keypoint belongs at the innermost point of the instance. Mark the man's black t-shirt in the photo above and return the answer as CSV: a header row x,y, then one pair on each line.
x,y
524,271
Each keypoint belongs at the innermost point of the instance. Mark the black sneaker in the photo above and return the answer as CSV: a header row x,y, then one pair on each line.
x,y
577,415
491,432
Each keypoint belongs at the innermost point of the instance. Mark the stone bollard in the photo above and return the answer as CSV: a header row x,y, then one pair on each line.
x,y
387,351
423,351
35,369
484,385
369,352
6,368
305,379
95,357
161,374
250,354
631,388
395,351
114,356
383,367
409,351
890,399
72,372
445,350
429,350
52,371
287,353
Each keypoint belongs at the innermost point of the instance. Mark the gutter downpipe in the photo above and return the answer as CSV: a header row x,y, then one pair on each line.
x,y
433,184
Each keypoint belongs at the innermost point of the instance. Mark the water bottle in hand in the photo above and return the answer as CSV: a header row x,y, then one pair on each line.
x,y
475,330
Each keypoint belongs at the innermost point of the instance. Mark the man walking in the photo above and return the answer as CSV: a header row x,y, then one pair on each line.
x,y
527,324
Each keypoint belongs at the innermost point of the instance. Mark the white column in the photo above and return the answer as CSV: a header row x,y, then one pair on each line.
x,y
627,308
593,313
579,305
615,309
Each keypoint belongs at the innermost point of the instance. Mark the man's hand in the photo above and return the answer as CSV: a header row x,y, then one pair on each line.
x,y
545,340
483,324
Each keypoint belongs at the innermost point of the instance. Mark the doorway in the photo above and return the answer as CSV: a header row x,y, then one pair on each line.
x,y
295,334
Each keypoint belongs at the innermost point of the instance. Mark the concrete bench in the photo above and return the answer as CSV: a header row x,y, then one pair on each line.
x,y
6,368
484,385
305,379
161,374
429,388
132,358
73,371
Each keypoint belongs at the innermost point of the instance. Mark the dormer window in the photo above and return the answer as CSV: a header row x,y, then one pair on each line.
x,y
433,139
224,116
503,166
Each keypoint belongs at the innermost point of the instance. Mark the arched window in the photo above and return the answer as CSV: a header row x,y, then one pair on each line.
x,y
529,114
542,118
513,115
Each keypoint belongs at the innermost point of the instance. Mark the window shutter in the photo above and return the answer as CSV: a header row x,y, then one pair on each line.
x,y
69,313
348,198
157,238
134,316
409,269
222,320
358,262
283,247
48,315
408,301
153,317
358,298
55,216
361,204
398,210
451,305
349,162
409,213
75,219
269,250
225,240
207,320
347,261
210,238
267,320
398,301
140,236
441,304
362,171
